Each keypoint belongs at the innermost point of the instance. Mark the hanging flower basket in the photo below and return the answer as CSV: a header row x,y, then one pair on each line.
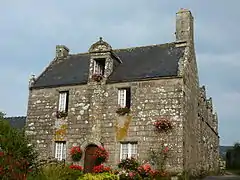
x,y
60,114
76,153
163,124
122,111
97,77
101,155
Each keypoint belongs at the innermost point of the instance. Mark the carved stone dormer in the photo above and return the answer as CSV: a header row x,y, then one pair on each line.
x,y
32,80
102,61
203,93
215,122
209,104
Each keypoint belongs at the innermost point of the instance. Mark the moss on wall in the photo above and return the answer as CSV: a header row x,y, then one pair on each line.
x,y
122,125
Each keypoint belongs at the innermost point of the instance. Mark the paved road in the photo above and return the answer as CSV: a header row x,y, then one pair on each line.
x,y
226,177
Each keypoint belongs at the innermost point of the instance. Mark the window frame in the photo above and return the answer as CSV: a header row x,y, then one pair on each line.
x,y
99,66
130,148
124,97
63,100
60,154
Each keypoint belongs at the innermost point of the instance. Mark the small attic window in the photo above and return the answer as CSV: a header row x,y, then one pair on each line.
x,y
99,66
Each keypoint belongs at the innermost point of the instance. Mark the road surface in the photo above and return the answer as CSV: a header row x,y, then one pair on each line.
x,y
225,177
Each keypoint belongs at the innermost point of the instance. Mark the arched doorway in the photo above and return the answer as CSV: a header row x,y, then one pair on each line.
x,y
89,161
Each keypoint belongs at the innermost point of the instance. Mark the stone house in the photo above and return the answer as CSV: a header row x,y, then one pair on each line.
x,y
80,99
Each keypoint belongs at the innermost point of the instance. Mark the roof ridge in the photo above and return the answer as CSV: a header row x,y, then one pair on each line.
x,y
134,47
153,45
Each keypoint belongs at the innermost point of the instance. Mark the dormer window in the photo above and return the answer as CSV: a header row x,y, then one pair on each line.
x,y
99,66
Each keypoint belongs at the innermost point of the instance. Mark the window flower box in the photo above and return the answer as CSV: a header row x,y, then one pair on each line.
x,y
122,111
97,77
61,114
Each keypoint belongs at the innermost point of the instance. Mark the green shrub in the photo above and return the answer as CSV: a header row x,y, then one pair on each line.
x,y
101,176
56,172
17,156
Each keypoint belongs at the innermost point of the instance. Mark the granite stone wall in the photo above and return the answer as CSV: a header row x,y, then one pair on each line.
x,y
92,118
198,118
209,133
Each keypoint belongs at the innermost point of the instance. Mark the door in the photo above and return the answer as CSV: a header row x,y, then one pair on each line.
x,y
89,161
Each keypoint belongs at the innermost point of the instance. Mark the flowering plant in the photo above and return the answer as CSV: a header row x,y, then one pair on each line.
x,y
101,155
145,170
97,77
131,175
100,169
129,164
76,167
61,114
158,157
162,124
13,168
76,153
122,111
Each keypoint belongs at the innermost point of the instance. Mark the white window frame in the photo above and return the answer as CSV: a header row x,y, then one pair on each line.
x,y
122,97
60,150
97,69
62,103
131,146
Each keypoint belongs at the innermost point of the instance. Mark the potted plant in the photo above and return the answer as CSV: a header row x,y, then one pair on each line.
x,y
121,111
61,114
76,153
101,155
97,77
162,124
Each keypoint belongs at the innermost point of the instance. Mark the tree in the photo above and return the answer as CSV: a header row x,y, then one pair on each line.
x,y
233,157
2,115
17,156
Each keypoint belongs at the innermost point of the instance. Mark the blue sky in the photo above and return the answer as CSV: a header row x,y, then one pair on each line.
x,y
30,30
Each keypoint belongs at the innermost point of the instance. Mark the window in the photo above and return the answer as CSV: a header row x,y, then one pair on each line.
x,y
99,66
128,150
124,97
60,150
63,101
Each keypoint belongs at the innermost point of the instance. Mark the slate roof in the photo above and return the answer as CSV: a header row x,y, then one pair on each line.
x,y
17,122
137,63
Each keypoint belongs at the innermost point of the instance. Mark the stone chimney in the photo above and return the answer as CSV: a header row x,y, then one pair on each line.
x,y
184,26
61,51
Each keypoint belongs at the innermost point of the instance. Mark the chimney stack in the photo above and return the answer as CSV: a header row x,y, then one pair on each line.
x,y
184,26
61,51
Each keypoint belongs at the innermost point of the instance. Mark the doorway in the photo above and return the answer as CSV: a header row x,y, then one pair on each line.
x,y
89,160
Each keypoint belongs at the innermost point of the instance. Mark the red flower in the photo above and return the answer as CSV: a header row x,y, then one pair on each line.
x,y
76,167
76,153
97,77
75,149
165,150
101,169
101,154
162,124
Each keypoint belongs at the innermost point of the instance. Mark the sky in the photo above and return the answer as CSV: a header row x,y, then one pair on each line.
x,y
30,31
